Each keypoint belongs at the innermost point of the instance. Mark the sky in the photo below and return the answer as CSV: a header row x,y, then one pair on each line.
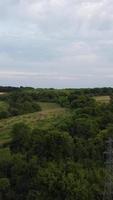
x,y
56,43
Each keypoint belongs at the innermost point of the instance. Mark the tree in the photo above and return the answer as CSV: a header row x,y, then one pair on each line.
x,y
85,128
20,138
52,144
4,188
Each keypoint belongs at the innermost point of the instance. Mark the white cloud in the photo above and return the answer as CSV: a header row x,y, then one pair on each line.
x,y
72,37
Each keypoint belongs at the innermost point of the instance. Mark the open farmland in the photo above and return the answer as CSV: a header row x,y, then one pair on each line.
x,y
102,99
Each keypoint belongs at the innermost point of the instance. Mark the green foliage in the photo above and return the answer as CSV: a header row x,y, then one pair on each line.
x,y
52,145
22,103
3,106
32,119
60,154
4,188
4,114
82,101
85,128
3,110
20,138
4,184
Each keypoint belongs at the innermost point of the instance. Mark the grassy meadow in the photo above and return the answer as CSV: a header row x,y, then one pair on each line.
x,y
49,110
102,99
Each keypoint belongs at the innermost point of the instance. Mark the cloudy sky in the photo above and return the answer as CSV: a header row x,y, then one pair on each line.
x,y
56,43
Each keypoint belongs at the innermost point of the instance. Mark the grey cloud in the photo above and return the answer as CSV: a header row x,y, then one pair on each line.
x,y
70,37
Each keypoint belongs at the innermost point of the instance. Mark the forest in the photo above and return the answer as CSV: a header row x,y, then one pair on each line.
x,y
52,142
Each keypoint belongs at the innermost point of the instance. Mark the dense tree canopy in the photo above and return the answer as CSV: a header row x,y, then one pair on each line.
x,y
62,159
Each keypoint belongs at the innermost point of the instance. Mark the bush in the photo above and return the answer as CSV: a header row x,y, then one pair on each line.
x,y
4,114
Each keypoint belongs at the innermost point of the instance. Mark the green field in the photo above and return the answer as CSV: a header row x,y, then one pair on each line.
x,y
102,99
3,106
48,106
49,111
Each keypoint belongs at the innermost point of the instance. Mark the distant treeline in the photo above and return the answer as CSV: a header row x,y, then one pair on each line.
x,y
25,100
8,88
90,91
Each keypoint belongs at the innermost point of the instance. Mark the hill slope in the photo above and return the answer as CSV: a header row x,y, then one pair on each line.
x,y
49,110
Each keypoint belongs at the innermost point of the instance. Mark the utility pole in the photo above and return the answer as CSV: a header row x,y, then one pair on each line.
x,y
108,188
